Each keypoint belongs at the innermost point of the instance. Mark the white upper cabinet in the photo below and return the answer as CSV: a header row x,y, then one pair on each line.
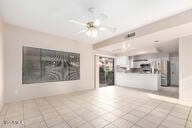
x,y
131,63
122,60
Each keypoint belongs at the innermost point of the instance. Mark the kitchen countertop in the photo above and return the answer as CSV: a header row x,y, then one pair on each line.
x,y
139,73
138,80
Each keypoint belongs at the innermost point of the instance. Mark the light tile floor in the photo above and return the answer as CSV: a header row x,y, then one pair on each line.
x,y
169,91
109,107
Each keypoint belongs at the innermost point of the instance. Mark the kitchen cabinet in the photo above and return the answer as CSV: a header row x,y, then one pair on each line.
x,y
137,64
122,60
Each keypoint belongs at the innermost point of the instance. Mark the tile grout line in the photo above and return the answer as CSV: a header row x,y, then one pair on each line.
x,y
131,114
81,118
78,114
99,116
120,117
188,117
146,114
57,112
112,113
116,115
40,113
166,116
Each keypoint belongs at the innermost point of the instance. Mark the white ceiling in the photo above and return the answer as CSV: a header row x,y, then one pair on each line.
x,y
171,46
52,16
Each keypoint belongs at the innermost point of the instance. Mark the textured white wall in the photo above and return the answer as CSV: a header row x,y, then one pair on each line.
x,y
16,37
1,65
185,70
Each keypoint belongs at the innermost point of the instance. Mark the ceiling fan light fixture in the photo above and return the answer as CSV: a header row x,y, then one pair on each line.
x,y
126,47
88,33
94,33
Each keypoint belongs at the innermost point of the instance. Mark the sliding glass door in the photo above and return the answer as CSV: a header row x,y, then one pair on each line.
x,y
106,71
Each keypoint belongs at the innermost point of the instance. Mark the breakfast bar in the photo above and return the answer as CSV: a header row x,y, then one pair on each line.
x,y
139,80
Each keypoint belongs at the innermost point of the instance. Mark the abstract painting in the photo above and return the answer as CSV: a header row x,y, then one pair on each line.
x,y
43,65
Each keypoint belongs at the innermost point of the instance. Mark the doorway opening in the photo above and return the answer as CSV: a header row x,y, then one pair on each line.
x,y
106,71
170,72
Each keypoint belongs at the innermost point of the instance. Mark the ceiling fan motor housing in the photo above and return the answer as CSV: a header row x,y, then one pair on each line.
x,y
90,25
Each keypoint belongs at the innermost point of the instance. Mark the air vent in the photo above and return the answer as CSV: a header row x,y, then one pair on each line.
x,y
131,35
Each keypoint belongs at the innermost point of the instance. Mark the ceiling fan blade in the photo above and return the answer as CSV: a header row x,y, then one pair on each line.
x,y
82,31
77,22
97,22
99,19
107,28
102,17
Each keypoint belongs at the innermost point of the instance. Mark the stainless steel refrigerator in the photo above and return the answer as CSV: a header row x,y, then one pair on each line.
x,y
165,73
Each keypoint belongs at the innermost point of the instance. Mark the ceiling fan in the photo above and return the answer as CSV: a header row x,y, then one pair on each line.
x,y
92,27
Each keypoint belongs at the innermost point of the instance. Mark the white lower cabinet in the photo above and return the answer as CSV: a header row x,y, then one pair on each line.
x,y
136,80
